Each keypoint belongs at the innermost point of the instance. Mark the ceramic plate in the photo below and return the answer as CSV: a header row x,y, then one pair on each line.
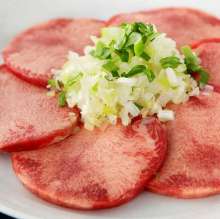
x,y
15,200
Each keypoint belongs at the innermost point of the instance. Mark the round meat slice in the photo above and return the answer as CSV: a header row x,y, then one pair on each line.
x,y
191,168
209,53
95,169
29,119
33,54
184,25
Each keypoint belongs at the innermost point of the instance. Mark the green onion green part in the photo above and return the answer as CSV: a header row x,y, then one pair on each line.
x,y
193,66
131,70
170,62
62,99
52,83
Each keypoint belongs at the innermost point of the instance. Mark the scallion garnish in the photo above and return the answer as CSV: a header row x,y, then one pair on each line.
x,y
170,62
145,56
101,51
141,69
203,77
150,74
139,48
72,81
136,70
138,106
62,99
131,70
120,43
193,66
52,83
111,67
123,54
133,39
191,60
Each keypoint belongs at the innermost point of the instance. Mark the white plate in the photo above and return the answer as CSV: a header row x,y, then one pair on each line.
x,y
15,200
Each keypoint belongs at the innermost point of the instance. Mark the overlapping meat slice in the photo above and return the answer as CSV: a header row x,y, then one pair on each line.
x,y
209,52
95,169
28,118
34,53
191,168
182,24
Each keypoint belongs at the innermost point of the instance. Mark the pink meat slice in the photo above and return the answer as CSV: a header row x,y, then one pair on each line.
x,y
191,168
28,118
209,52
182,24
33,54
95,169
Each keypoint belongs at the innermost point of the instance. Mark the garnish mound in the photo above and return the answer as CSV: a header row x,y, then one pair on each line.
x,y
131,70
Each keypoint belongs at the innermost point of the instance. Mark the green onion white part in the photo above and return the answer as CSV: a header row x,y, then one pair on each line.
x,y
131,70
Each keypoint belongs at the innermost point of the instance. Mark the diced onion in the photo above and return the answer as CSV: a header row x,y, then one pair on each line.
x,y
172,78
103,99
165,115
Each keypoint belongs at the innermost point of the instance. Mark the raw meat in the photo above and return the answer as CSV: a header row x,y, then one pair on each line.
x,y
95,169
29,119
209,52
182,24
191,168
33,54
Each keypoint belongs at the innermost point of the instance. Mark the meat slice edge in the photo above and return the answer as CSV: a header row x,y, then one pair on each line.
x,y
29,119
198,24
191,168
95,169
33,54
208,51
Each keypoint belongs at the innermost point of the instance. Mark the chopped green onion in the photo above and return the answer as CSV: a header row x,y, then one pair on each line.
x,y
124,55
129,28
152,36
139,48
148,31
204,77
141,69
120,43
150,74
110,66
190,57
60,85
193,66
109,78
138,106
133,38
125,74
95,87
106,53
62,99
145,29
191,60
170,62
72,81
136,70
101,51
52,83
145,56
115,74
